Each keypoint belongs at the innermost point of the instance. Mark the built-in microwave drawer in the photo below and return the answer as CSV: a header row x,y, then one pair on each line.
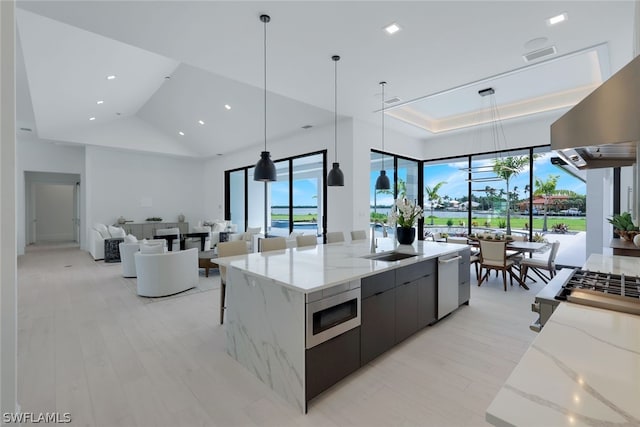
x,y
329,317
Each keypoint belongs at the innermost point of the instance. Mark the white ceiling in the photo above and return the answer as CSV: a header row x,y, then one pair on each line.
x,y
213,52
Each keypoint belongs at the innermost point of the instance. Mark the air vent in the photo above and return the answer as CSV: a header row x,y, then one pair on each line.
x,y
540,53
392,100
307,127
26,129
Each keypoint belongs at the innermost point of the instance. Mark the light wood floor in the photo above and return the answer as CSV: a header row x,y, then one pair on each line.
x,y
89,346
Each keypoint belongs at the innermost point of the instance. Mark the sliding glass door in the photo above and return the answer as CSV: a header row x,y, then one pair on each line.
x,y
296,201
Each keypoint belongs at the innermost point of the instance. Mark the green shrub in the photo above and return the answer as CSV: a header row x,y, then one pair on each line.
x,y
449,222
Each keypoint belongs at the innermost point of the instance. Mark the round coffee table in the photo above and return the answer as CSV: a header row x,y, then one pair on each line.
x,y
205,260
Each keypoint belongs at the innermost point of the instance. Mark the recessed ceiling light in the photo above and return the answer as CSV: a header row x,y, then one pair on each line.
x,y
100,102
307,126
227,106
111,77
181,133
92,118
201,122
392,28
557,19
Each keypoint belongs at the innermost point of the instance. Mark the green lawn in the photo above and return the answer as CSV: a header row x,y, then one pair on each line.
x,y
296,218
573,224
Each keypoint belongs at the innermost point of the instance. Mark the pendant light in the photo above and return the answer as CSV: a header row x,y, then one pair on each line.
x,y
336,177
265,170
382,183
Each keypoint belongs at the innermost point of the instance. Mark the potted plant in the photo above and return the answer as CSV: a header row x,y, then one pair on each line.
x,y
623,226
404,215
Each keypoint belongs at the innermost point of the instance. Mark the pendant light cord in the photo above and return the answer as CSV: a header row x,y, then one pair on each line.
x,y
335,108
382,84
265,84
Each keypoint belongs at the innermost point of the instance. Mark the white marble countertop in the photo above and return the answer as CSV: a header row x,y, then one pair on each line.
x,y
583,369
616,264
312,268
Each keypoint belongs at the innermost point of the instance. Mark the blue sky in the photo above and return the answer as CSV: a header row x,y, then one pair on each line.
x,y
303,192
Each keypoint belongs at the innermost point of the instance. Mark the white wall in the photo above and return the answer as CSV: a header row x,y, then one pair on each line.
x,y
8,262
33,155
54,212
518,133
139,185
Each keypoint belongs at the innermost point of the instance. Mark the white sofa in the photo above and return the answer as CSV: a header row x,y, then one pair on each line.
x,y
97,234
166,273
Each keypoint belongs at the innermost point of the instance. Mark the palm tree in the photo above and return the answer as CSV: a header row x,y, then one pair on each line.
x,y
546,189
432,195
506,169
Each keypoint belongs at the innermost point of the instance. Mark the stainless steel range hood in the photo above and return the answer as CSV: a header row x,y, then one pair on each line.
x,y
603,129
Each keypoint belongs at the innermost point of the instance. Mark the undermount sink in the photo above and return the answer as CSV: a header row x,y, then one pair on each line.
x,y
389,256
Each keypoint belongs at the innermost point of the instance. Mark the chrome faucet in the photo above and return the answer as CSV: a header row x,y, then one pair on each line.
x,y
374,243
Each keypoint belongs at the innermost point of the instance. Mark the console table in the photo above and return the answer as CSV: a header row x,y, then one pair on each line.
x,y
624,248
146,230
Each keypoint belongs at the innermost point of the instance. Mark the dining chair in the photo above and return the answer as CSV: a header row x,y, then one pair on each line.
x,y
493,256
358,235
306,240
537,264
273,244
335,237
236,247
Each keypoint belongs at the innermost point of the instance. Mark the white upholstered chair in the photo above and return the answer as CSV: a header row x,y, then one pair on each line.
x,y
166,273
358,235
225,249
273,244
493,256
537,264
335,237
306,240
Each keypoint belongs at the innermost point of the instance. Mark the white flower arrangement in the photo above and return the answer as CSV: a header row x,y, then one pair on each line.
x,y
404,213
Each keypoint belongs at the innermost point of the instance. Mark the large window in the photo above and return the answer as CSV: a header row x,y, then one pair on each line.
x,y
308,201
381,200
446,196
280,205
520,191
235,197
295,201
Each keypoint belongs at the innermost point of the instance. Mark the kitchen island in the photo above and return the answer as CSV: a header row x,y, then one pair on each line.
x,y
280,318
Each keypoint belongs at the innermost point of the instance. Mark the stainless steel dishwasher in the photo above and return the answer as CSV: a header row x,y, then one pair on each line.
x,y
447,284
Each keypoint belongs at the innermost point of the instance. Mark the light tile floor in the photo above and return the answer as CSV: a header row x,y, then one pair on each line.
x,y
88,346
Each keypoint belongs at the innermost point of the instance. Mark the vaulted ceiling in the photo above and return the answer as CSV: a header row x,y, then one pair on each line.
x,y
179,63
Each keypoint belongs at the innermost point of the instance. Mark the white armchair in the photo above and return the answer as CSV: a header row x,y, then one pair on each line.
x,y
167,273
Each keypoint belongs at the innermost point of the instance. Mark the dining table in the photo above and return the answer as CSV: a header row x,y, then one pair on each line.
x,y
517,247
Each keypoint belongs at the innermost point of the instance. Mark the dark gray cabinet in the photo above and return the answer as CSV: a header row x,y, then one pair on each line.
x,y
406,310
464,278
377,329
329,362
427,299
395,305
